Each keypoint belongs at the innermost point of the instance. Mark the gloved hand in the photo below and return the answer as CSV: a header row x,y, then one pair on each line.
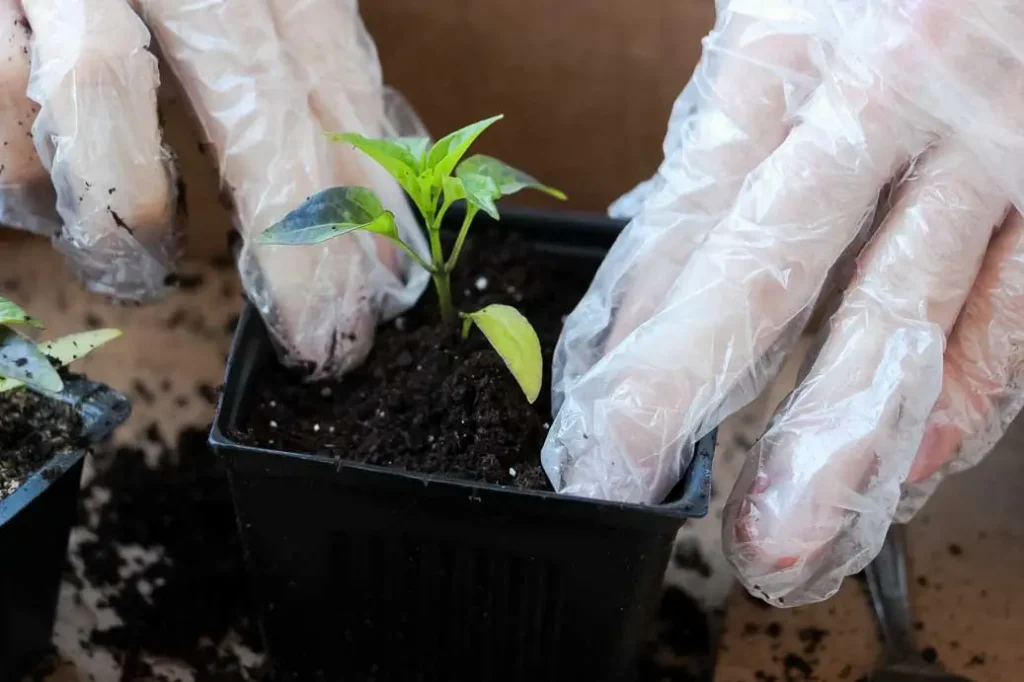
x,y
799,115
265,79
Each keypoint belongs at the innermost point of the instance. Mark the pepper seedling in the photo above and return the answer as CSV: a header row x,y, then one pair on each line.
x,y
26,363
434,176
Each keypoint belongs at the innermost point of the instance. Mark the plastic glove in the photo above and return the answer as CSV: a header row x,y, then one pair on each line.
x,y
266,79
27,199
798,116
97,134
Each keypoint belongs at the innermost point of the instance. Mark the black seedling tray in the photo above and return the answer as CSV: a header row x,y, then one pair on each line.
x,y
35,523
366,572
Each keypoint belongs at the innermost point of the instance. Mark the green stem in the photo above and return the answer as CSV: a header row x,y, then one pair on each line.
x,y
434,232
436,256
461,239
445,205
444,296
415,256
442,281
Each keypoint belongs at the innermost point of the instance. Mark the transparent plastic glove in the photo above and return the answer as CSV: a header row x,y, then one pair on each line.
x,y
266,79
97,133
981,391
27,199
799,115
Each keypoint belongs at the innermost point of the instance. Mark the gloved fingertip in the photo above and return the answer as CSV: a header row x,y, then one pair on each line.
x,y
940,444
771,551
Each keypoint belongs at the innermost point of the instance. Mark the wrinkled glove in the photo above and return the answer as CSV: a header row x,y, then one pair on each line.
x,y
266,79
97,135
799,116
27,199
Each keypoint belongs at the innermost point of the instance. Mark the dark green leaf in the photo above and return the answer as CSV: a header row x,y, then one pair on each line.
x,y
512,336
401,157
332,213
22,360
477,190
507,180
449,150
12,313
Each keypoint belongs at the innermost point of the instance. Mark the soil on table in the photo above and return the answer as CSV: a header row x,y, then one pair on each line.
x,y
161,544
425,400
33,429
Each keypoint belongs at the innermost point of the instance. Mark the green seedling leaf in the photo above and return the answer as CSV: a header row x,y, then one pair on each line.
x,y
332,213
417,146
475,189
507,180
64,351
402,158
449,150
22,360
512,336
12,313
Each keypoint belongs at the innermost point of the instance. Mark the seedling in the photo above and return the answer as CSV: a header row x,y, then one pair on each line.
x,y
26,363
435,177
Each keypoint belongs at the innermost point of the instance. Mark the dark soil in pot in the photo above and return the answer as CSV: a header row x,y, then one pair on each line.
x,y
32,430
425,400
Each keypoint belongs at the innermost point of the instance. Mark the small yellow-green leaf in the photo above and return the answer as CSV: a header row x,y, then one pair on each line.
x,y
332,213
477,190
398,157
512,336
64,351
453,189
404,158
12,313
449,150
417,147
23,361
507,180
67,349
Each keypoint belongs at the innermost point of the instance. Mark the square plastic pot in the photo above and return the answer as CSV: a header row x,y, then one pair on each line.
x,y
365,572
35,523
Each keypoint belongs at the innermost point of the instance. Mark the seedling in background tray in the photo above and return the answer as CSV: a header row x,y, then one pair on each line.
x,y
23,362
435,179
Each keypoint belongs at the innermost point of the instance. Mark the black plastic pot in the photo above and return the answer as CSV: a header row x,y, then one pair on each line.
x,y
365,572
35,522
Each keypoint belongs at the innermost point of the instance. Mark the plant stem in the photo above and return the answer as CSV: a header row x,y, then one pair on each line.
x,y
434,234
436,256
445,205
444,296
442,280
412,254
453,258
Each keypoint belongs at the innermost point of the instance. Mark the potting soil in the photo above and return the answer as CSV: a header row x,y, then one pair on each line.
x,y
425,400
32,430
